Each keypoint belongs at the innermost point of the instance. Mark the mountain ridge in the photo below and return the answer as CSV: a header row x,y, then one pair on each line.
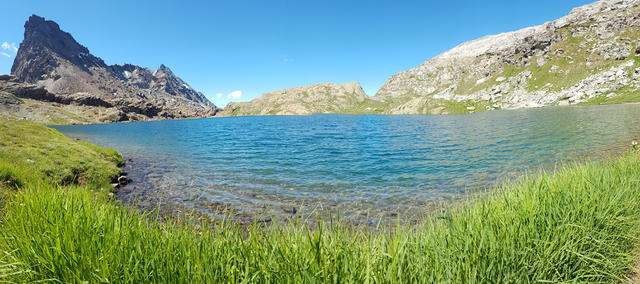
x,y
306,100
51,58
580,58
589,56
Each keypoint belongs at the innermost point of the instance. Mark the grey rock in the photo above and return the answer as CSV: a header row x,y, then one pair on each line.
x,y
603,41
265,220
291,210
51,59
123,180
9,99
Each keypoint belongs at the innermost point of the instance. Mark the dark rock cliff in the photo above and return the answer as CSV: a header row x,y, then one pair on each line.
x,y
51,58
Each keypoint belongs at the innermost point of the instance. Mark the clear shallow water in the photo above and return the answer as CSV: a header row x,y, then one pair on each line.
x,y
358,165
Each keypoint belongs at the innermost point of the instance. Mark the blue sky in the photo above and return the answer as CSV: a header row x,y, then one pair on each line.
x,y
241,49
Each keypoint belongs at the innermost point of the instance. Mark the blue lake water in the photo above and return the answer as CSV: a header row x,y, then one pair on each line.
x,y
358,165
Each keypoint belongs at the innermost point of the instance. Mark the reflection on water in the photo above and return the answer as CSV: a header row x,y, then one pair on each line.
x,y
357,165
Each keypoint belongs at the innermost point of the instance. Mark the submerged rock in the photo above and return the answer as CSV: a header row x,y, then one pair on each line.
x,y
292,210
123,180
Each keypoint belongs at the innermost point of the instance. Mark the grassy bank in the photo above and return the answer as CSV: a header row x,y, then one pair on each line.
x,y
579,224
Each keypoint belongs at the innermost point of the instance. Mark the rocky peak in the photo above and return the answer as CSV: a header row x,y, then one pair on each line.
x,y
37,30
44,43
163,70
53,59
354,87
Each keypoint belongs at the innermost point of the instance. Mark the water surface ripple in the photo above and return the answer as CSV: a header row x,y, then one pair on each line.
x,y
358,165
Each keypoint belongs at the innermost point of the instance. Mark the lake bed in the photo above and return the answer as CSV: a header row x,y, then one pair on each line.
x,y
365,167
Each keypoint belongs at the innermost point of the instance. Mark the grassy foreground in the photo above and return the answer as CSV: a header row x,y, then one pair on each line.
x,y
580,224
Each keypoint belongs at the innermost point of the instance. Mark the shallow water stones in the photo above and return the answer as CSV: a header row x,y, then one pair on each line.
x,y
291,210
265,220
123,180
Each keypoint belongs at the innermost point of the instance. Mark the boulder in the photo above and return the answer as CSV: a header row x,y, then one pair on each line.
x,y
123,180
9,99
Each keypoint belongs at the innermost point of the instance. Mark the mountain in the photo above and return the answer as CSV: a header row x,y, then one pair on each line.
x,y
319,98
49,57
589,56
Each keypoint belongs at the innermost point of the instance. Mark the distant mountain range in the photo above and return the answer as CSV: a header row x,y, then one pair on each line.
x,y
319,98
51,59
590,56
587,57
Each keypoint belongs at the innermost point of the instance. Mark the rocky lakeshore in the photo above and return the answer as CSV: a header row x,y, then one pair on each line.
x,y
367,169
536,181
544,223
150,186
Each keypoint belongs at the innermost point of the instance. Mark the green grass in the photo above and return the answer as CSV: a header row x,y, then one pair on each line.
x,y
579,224
45,154
626,94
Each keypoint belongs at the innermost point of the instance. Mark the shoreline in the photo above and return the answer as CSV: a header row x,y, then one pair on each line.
x,y
530,229
355,114
170,192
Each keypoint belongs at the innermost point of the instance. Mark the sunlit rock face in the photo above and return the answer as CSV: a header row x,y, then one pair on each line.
x,y
589,55
51,58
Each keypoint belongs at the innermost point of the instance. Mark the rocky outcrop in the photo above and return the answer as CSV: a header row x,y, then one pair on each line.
x,y
587,56
10,84
50,58
319,98
592,55
9,99
19,100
